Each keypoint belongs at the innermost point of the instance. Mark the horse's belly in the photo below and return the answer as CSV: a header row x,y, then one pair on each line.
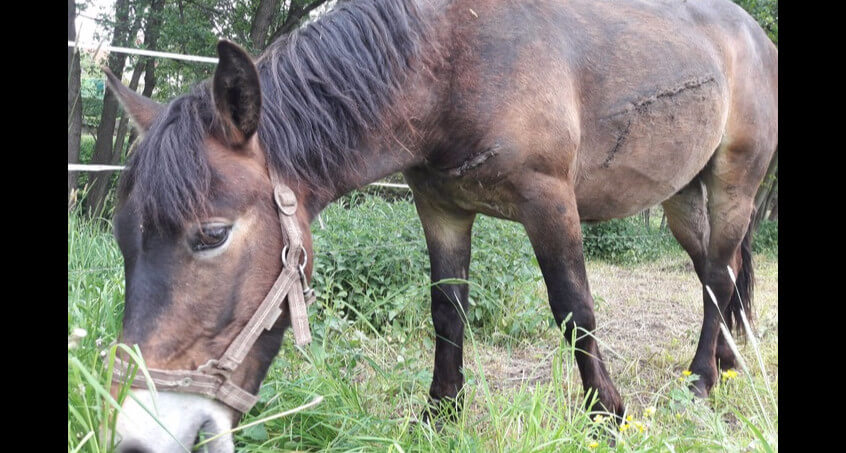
x,y
644,150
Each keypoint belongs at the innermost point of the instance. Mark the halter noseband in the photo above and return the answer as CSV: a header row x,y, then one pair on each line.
x,y
213,379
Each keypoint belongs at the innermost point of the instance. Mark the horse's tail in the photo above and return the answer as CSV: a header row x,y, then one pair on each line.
x,y
741,299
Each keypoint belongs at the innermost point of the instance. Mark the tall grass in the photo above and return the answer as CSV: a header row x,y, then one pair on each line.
x,y
371,357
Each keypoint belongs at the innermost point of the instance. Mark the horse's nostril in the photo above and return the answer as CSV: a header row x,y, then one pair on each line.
x,y
132,447
207,430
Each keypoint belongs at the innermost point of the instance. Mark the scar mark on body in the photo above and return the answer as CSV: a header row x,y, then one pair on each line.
x,y
619,143
642,104
474,161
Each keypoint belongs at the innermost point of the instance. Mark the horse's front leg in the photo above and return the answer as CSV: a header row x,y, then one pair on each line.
x,y
551,219
448,239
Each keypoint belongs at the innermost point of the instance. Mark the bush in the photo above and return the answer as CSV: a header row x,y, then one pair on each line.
x,y
625,241
766,238
371,263
372,268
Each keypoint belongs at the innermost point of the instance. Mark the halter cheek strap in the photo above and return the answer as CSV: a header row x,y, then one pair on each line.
x,y
213,379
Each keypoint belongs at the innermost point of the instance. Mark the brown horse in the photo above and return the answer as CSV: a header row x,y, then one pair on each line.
x,y
546,112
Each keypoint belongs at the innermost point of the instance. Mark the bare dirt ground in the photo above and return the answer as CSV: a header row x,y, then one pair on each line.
x,y
648,317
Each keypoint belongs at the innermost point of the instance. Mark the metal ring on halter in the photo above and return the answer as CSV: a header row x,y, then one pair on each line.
x,y
306,289
304,280
285,257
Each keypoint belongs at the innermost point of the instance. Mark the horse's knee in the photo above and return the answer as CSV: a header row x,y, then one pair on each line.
x,y
578,316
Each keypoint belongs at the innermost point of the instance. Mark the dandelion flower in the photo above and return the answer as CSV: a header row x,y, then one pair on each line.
x,y
650,411
624,427
593,444
599,418
686,373
640,426
729,374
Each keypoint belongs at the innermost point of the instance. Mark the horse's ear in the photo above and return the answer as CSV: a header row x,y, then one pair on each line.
x,y
143,111
237,94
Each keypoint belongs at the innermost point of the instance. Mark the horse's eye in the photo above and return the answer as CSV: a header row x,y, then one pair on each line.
x,y
210,235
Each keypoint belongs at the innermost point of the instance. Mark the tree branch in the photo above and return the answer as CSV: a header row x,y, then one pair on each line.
x,y
295,14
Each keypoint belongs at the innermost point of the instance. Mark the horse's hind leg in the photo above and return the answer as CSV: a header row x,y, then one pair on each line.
x,y
448,233
731,178
687,218
552,222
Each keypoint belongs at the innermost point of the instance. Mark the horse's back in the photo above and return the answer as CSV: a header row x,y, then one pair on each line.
x,y
605,95
689,77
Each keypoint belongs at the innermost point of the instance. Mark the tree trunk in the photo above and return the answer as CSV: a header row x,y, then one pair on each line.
x,y
771,197
774,212
765,192
266,12
100,188
74,101
103,146
149,78
151,42
124,121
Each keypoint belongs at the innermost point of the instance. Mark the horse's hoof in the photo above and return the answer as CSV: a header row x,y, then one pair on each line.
x,y
700,388
436,424
725,358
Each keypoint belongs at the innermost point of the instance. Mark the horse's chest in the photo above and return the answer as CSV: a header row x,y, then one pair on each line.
x,y
489,192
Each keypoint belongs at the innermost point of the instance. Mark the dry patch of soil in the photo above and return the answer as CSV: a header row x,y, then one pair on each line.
x,y
648,323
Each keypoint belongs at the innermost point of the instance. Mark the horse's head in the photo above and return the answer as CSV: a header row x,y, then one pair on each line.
x,y
201,239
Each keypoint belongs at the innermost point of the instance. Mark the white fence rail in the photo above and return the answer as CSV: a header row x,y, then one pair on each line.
x,y
95,168
144,52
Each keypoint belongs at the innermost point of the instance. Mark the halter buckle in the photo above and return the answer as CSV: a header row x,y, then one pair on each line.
x,y
285,199
213,368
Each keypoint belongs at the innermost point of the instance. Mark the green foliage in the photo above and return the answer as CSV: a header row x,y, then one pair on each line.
x,y
374,381
765,12
766,238
91,89
626,241
373,274
379,276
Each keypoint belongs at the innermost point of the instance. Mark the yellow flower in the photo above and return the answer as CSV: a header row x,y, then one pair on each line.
x,y
593,444
599,418
624,427
640,426
650,411
729,374
629,418
686,373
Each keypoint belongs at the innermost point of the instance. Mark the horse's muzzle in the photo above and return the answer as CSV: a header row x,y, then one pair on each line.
x,y
173,423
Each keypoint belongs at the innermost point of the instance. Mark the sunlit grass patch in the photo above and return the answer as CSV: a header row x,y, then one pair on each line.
x,y
372,355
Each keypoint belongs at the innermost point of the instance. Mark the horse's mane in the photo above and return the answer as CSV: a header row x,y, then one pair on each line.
x,y
324,86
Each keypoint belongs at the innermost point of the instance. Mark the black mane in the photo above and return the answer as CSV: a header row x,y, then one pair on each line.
x,y
324,87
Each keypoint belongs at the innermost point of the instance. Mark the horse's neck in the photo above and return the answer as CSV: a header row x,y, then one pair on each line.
x,y
383,145
400,146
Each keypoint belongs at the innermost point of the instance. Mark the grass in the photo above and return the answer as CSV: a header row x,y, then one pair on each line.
x,y
371,359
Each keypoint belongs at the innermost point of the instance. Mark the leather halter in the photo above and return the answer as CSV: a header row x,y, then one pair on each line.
x,y
213,379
